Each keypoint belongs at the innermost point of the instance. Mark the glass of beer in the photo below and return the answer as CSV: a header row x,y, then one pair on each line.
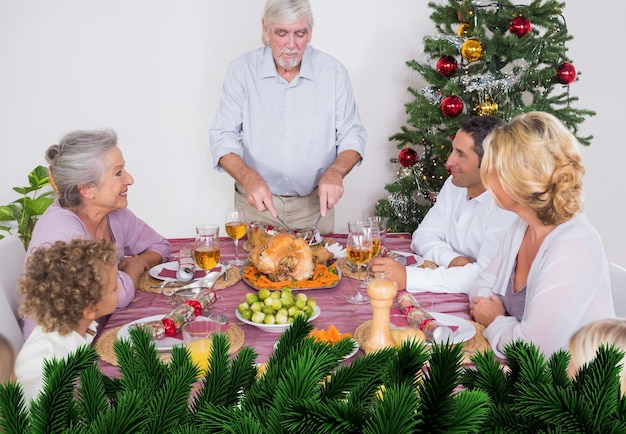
x,y
236,229
359,252
198,338
381,222
207,246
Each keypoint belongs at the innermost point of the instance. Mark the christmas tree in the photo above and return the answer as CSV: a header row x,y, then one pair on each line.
x,y
488,58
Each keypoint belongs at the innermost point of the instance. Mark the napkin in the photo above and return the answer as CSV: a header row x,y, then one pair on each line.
x,y
171,274
410,260
336,249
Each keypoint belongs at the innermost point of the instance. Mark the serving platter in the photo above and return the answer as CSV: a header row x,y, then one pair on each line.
x,y
294,285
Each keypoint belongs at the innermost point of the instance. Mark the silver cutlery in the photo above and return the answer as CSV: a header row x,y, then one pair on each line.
x,y
206,282
283,223
312,234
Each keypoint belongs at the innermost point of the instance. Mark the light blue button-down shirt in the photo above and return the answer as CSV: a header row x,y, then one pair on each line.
x,y
289,133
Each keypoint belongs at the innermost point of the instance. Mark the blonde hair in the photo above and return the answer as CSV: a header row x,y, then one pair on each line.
x,y
538,162
63,279
585,342
7,360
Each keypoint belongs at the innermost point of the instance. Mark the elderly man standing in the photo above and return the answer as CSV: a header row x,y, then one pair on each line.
x,y
287,128
462,231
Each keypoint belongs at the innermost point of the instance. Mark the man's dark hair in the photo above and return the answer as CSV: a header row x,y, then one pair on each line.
x,y
479,127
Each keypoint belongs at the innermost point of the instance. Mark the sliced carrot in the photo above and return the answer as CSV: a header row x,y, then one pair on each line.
x,y
332,335
322,276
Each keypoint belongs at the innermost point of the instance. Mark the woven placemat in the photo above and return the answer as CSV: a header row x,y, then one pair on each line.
x,y
348,271
231,277
476,344
104,344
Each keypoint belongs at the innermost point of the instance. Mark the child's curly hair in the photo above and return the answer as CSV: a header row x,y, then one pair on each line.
x,y
62,279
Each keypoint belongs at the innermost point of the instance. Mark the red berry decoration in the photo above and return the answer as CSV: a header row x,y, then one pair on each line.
x,y
447,66
451,106
520,26
407,157
565,73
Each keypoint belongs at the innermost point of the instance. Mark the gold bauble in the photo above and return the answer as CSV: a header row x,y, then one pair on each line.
x,y
462,30
488,107
472,50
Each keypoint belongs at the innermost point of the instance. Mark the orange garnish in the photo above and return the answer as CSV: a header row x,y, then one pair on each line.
x,y
323,276
332,335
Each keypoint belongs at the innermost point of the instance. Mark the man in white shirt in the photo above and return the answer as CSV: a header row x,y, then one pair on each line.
x,y
287,128
463,229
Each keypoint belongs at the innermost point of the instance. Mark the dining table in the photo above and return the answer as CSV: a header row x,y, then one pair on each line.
x,y
149,301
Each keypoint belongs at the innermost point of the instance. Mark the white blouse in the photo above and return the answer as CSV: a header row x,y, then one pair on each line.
x,y
568,286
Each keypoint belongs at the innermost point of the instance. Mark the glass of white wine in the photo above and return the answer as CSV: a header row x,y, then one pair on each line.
x,y
207,246
359,252
374,233
236,229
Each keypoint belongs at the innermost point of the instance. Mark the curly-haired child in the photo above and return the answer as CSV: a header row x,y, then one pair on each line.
x,y
66,286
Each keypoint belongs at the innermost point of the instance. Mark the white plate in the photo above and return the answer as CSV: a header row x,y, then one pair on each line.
x,y
419,260
154,271
354,342
172,265
163,344
465,330
275,328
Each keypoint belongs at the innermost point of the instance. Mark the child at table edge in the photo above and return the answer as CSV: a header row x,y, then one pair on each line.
x,y
66,286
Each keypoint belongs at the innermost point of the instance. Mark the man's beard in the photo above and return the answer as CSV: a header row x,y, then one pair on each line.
x,y
289,62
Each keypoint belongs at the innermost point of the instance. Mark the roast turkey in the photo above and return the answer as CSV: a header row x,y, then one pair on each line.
x,y
283,256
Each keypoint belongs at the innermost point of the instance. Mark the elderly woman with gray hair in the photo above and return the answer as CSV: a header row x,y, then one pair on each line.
x,y
88,173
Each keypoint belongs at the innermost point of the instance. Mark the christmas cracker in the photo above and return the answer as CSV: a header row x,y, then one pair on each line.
x,y
420,319
203,300
155,328
174,320
186,265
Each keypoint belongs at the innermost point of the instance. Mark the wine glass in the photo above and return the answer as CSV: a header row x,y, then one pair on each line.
x,y
236,229
359,251
381,222
207,246
375,235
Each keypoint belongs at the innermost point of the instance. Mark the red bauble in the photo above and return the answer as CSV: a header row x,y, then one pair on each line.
x,y
407,157
447,66
520,26
451,106
565,73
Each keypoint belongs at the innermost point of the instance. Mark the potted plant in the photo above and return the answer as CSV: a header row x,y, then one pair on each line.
x,y
25,211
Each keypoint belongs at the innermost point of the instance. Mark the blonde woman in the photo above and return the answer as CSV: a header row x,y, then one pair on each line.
x,y
586,341
550,276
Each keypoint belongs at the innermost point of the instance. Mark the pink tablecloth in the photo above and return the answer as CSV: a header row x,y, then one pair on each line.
x,y
334,309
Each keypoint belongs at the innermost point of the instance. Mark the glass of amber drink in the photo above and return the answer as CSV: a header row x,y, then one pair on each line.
x,y
207,246
236,229
359,252
198,338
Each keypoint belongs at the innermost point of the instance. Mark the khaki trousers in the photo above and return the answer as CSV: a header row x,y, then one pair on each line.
x,y
299,212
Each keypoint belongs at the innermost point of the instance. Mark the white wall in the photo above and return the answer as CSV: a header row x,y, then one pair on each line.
x,y
153,70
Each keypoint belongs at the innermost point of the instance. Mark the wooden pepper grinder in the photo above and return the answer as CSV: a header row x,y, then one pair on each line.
x,y
382,292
